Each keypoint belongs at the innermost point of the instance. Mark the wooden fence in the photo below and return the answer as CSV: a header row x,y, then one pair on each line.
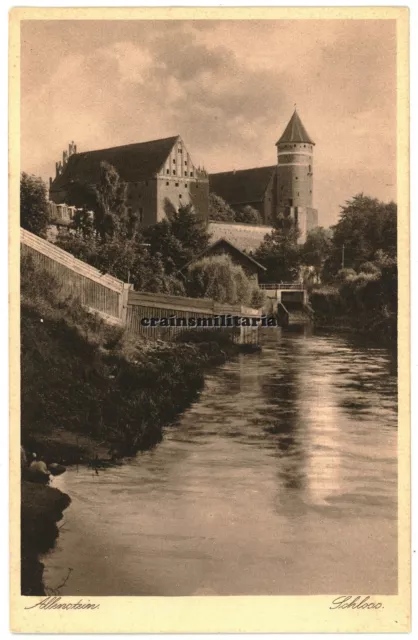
x,y
162,316
97,291
117,302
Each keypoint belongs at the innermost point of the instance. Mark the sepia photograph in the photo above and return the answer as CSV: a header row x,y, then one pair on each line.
x,y
209,318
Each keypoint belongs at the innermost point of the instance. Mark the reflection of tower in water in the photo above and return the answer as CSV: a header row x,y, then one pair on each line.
x,y
282,413
305,422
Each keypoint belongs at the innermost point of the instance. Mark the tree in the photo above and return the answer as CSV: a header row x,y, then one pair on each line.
x,y
107,201
366,226
279,252
317,248
217,277
248,215
125,258
178,240
34,208
110,213
219,210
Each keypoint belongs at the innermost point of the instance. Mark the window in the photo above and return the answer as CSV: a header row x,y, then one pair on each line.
x,y
185,173
166,184
186,186
174,161
191,174
180,196
177,184
298,193
296,178
168,171
290,202
174,172
310,169
185,162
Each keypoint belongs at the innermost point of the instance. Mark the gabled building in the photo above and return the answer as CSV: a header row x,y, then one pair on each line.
x,y
160,176
251,267
284,188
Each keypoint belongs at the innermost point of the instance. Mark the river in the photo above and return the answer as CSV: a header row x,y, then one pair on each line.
x,y
281,479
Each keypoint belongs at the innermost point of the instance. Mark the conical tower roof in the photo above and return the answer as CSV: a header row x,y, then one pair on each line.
x,y
295,131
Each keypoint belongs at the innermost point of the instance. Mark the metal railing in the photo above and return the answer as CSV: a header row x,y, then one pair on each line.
x,y
299,286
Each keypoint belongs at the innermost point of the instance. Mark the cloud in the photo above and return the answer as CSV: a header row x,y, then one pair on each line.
x,y
228,87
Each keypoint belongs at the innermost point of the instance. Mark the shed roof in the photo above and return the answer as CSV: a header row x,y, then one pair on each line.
x,y
231,247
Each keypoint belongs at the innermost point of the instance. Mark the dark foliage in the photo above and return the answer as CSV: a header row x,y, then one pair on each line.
x,y
34,214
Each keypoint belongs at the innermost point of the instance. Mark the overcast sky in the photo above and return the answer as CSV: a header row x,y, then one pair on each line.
x,y
227,87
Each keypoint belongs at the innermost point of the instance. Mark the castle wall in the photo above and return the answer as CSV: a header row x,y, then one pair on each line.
x,y
269,202
142,199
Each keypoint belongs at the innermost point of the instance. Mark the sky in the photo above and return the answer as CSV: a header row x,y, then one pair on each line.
x,y
227,87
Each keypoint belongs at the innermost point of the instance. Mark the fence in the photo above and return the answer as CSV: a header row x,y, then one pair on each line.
x,y
117,302
180,313
97,291
282,285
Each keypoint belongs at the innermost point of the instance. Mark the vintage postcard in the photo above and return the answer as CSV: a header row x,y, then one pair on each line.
x,y
209,338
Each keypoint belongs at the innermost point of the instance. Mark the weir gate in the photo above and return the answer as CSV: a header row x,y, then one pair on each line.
x,y
289,300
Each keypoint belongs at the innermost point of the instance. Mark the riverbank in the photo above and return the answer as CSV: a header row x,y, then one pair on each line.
x,y
91,391
93,394
41,509
364,304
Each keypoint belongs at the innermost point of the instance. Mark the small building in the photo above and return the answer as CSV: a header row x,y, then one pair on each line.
x,y
251,267
160,177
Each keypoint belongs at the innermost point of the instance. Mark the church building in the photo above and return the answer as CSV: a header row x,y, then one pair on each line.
x,y
284,188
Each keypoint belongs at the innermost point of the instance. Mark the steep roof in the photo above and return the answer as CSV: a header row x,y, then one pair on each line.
x,y
231,247
133,162
245,186
295,131
246,237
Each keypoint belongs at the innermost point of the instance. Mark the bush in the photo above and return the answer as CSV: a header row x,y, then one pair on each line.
x,y
345,274
76,375
369,267
258,298
217,277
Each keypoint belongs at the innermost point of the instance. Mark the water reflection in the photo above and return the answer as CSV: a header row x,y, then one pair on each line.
x,y
280,480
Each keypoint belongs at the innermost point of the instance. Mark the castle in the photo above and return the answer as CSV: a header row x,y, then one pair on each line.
x,y
160,176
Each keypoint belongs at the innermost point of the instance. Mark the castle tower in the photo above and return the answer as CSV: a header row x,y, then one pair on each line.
x,y
294,186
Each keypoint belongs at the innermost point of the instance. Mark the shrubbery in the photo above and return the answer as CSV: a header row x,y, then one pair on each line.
x,y
84,376
217,277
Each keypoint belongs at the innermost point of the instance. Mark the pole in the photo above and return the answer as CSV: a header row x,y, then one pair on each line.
x,y
342,257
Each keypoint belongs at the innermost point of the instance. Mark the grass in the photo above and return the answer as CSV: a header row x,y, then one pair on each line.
x,y
89,389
